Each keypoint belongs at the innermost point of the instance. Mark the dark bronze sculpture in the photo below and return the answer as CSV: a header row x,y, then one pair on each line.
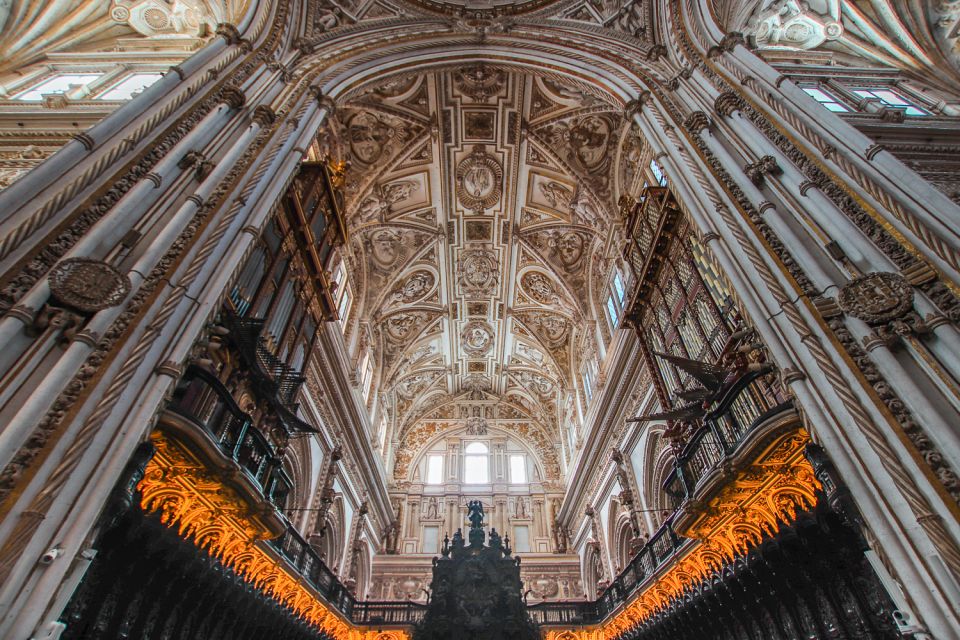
x,y
476,589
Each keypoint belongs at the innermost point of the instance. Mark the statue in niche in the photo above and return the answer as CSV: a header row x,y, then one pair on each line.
x,y
520,508
433,509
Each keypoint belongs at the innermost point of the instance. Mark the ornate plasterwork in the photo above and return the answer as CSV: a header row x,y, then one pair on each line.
x,y
88,285
479,180
478,272
477,337
877,298
439,183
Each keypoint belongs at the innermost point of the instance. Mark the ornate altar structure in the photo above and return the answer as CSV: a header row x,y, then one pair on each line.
x,y
476,589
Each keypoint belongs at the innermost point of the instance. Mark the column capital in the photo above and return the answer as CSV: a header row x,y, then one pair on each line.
x,y
233,97
264,115
727,103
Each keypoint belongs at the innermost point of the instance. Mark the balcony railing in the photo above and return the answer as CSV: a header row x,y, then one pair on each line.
x,y
305,560
201,398
746,406
373,613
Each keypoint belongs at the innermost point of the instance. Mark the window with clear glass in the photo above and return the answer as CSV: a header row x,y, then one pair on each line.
x,y
342,293
475,466
587,385
61,83
827,100
431,539
130,86
658,173
435,469
518,469
521,539
612,310
618,287
892,99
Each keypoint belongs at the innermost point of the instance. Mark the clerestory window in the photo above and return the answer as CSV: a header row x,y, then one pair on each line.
x,y
130,87
476,463
61,83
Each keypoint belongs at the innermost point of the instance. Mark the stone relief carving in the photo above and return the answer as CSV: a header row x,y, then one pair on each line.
x,y
535,383
152,18
368,135
553,329
414,287
480,82
791,23
384,248
877,298
477,337
476,426
568,248
478,271
402,326
479,180
88,285
539,287
556,194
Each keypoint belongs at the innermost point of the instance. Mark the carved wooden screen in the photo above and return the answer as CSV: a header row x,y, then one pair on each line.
x,y
679,304
673,307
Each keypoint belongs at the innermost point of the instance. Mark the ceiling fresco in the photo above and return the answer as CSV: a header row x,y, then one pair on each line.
x,y
482,211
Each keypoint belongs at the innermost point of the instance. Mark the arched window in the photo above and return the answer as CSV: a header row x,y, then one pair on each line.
x,y
475,464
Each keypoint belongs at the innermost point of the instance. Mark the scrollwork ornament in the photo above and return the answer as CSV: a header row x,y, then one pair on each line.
x,y
877,298
88,285
479,180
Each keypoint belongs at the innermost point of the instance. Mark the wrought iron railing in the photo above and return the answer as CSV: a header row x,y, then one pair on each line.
x,y
305,560
559,614
278,382
742,411
749,404
373,612
201,398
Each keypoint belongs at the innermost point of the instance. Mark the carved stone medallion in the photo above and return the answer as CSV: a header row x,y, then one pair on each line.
x,y
368,135
88,285
414,287
567,248
479,180
477,337
877,298
479,271
539,287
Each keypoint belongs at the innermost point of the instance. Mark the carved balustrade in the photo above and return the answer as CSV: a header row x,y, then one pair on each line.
x,y
750,404
202,399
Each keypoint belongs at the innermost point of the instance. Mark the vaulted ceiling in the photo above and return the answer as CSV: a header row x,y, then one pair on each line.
x,y
482,206
918,37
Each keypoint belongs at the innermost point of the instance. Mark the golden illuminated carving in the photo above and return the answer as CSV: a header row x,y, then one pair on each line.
x,y
763,495
205,511
579,634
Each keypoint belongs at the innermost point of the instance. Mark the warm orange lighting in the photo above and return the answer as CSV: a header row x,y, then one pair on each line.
x,y
192,499
761,497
